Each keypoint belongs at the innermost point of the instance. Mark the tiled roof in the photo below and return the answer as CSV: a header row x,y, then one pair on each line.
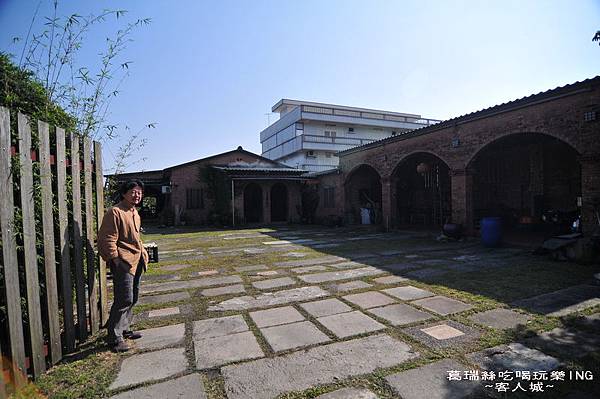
x,y
496,109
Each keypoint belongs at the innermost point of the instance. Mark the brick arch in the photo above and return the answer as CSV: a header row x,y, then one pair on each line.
x,y
473,155
361,192
352,171
416,152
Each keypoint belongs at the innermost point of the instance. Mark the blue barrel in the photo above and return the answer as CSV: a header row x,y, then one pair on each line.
x,y
491,231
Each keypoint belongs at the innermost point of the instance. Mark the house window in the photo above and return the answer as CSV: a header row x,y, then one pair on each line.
x,y
589,116
329,197
194,198
330,133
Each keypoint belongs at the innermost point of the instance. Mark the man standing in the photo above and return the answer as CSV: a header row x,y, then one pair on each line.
x,y
120,246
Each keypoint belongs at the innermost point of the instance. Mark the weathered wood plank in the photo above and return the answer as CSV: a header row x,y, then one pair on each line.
x,y
9,250
63,241
30,253
77,240
3,393
100,213
49,249
90,236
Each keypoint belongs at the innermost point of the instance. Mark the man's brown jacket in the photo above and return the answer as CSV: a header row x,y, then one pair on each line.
x,y
119,237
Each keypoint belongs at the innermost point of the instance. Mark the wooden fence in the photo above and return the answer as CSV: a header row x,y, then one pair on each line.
x,y
53,285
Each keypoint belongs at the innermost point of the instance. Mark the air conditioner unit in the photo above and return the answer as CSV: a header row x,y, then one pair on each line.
x,y
310,154
165,189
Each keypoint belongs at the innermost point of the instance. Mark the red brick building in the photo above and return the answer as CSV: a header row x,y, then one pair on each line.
x,y
515,160
200,191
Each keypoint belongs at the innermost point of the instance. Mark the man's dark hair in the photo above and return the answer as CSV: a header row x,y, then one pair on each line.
x,y
128,185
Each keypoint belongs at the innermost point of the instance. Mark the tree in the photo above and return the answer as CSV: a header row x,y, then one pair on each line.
x,y
596,37
49,59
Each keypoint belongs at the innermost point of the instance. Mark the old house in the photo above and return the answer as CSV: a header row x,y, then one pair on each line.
x,y
201,191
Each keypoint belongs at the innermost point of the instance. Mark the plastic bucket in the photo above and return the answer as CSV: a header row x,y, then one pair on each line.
x,y
491,231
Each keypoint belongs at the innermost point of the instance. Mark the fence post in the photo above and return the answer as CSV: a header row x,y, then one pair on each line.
x,y
9,253
89,236
31,268
100,213
77,241
49,248
63,241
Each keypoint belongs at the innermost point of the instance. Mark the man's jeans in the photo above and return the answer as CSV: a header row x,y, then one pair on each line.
x,y
126,291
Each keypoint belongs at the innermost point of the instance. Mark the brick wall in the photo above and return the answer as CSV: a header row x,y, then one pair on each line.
x,y
558,114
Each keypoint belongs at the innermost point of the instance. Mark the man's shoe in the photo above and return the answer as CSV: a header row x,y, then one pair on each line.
x,y
121,346
132,334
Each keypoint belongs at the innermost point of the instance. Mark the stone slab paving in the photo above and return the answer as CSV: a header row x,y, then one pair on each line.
x,y
227,290
352,323
369,299
400,314
174,268
391,252
255,251
295,335
326,307
434,262
360,255
430,382
349,393
243,237
341,275
250,268
277,242
160,277
514,356
390,280
562,302
217,351
189,386
442,305
501,319
151,366
408,293
205,273
161,337
276,316
349,286
274,283
268,273
324,364
184,285
219,326
165,312
398,267
295,254
327,245
567,342
165,298
425,273
270,299
445,334
349,265
309,262
308,269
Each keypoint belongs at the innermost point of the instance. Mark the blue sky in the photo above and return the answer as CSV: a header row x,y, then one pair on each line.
x,y
208,72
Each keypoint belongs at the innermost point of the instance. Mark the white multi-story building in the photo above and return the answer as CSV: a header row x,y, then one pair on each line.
x,y
308,135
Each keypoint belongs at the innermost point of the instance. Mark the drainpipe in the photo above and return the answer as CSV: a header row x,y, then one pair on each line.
x,y
232,204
